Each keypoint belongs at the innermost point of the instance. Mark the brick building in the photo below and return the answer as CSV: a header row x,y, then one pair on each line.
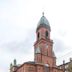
x,y
44,57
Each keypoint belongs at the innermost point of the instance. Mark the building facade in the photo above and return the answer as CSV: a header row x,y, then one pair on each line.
x,y
66,66
44,57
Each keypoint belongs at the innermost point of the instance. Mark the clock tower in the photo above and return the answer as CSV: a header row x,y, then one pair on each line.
x,y
43,47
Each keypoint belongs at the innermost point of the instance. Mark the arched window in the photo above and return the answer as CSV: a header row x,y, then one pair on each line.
x,y
47,53
38,35
46,34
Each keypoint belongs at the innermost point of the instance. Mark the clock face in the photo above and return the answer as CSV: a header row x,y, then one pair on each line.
x,y
37,50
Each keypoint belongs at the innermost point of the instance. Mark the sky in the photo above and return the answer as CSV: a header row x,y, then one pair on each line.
x,y
18,23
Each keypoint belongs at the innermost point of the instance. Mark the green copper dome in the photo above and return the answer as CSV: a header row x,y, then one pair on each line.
x,y
43,20
43,23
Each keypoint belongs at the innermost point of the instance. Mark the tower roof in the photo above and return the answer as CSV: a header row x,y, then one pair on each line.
x,y
43,22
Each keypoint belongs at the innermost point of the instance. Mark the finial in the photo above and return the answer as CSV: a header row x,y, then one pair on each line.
x,y
63,61
10,65
43,13
15,62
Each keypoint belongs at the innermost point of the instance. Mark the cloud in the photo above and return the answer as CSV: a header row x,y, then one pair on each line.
x,y
21,50
58,45
62,51
16,47
23,46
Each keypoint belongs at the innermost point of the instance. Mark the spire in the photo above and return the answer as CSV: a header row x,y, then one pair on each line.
x,y
43,13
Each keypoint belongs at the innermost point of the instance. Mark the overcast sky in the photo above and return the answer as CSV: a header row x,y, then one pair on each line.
x,y
18,22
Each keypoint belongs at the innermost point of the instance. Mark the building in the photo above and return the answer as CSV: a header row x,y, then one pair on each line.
x,y
44,57
65,66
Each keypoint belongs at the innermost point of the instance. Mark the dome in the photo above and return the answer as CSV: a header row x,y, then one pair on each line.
x,y
43,23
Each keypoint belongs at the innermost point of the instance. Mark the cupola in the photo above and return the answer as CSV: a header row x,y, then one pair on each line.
x,y
43,22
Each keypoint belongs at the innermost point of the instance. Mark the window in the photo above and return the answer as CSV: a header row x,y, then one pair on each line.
x,y
47,53
31,69
66,66
38,35
46,34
